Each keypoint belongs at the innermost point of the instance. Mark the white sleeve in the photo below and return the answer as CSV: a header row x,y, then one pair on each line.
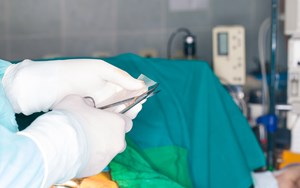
x,y
264,180
62,143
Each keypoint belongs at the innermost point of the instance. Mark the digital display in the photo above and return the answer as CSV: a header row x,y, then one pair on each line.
x,y
223,43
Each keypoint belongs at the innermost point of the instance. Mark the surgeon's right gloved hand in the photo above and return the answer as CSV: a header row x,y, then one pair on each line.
x,y
77,140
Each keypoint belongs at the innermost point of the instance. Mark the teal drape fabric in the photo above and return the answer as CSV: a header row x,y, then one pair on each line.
x,y
195,112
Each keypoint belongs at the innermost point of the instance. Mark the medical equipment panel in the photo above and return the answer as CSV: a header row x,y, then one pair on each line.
x,y
293,70
229,59
292,17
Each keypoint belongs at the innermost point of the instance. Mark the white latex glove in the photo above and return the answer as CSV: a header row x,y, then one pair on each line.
x,y
77,140
36,86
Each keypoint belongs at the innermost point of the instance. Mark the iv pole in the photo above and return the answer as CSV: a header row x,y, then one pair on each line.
x,y
270,120
274,28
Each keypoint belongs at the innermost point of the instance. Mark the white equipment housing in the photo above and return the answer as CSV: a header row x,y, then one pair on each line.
x,y
293,70
292,17
229,54
292,28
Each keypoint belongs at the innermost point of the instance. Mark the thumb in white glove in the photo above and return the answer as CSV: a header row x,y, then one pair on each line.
x,y
36,86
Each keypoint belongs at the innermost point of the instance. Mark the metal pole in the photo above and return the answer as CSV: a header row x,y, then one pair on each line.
x,y
271,144
273,55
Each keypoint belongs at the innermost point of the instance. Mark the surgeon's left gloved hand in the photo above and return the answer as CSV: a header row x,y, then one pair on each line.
x,y
37,86
77,140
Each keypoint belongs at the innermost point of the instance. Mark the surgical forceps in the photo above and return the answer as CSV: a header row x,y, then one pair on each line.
x,y
132,101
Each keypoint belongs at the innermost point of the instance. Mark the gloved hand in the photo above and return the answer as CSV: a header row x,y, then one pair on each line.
x,y
78,140
37,86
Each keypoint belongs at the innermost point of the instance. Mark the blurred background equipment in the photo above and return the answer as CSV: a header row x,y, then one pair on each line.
x,y
229,61
229,54
292,17
189,44
292,29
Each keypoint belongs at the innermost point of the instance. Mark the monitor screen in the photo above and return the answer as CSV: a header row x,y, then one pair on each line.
x,y
223,43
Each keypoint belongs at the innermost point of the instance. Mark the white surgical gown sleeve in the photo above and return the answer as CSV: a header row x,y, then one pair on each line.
x,y
23,163
7,115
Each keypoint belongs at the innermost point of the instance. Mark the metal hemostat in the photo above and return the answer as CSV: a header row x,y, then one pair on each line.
x,y
132,101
